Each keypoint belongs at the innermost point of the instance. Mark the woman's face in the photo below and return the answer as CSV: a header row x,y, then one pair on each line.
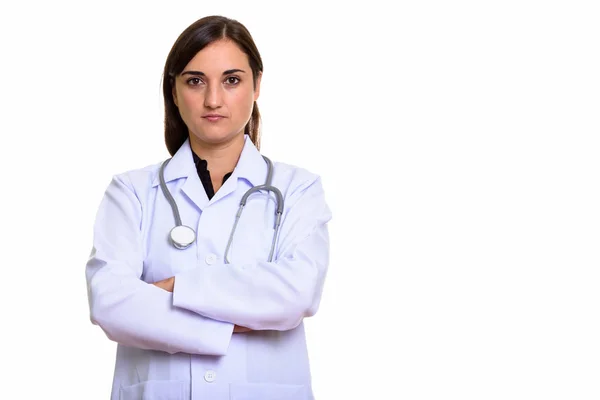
x,y
215,94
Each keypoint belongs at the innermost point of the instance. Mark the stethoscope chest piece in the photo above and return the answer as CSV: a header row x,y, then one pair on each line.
x,y
182,236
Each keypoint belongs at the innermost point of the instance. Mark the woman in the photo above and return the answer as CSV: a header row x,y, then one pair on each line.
x,y
199,313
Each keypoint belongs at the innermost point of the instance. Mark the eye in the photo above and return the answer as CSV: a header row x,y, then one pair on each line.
x,y
194,81
232,80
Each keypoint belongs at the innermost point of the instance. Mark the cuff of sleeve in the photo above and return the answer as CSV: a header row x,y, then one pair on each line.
x,y
188,294
187,290
222,337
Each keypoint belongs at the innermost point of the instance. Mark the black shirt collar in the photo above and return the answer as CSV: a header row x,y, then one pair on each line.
x,y
204,175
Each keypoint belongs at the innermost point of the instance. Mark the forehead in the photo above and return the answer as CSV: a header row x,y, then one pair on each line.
x,y
218,57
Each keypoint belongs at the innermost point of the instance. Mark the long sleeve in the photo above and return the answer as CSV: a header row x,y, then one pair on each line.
x,y
129,310
268,295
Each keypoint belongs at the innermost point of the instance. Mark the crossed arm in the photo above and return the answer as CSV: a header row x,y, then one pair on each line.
x,y
203,307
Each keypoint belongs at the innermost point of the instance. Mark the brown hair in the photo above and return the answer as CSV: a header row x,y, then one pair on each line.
x,y
193,39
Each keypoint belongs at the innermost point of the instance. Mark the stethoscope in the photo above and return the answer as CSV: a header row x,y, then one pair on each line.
x,y
182,236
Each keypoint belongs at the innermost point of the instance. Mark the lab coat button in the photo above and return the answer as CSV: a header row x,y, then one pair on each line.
x,y
210,259
210,376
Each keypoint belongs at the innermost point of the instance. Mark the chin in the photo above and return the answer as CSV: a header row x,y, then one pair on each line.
x,y
217,137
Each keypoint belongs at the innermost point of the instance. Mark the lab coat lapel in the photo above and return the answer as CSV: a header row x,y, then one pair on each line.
x,y
182,166
228,187
194,190
250,166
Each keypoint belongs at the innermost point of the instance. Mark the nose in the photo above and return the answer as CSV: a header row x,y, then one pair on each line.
x,y
214,96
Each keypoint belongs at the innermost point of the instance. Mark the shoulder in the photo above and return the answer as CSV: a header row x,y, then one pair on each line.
x,y
293,177
303,192
302,188
139,180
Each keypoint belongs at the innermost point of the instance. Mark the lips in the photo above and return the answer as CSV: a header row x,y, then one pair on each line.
x,y
213,117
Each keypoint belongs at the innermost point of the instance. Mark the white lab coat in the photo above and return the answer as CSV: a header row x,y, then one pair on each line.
x,y
180,345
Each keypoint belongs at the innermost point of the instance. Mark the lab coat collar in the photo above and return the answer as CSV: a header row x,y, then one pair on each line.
x,y
250,166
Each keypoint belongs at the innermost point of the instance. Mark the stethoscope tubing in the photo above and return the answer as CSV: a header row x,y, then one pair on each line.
x,y
184,230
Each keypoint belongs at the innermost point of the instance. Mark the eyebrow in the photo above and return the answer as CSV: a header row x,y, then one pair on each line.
x,y
227,72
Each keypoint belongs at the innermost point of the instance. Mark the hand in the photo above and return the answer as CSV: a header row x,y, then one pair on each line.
x,y
241,329
166,284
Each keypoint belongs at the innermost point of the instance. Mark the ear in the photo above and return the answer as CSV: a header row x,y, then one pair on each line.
x,y
174,94
257,86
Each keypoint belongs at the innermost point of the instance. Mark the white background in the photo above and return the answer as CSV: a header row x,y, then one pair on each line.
x,y
458,145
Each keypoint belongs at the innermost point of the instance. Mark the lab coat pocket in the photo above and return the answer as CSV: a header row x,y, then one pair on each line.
x,y
267,391
154,390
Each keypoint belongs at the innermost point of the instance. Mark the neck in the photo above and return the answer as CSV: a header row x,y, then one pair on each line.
x,y
220,157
